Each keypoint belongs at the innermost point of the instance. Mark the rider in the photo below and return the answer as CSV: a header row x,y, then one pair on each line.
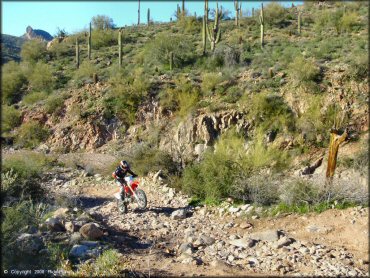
x,y
120,173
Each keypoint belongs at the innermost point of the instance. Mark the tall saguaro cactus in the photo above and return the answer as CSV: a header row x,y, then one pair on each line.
x,y
77,54
89,43
183,8
171,60
148,17
206,9
236,7
138,14
214,33
299,22
204,34
240,13
178,12
262,23
120,47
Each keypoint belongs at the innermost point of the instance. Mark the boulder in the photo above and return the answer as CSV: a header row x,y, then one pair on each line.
x,y
72,227
186,248
205,240
30,243
60,213
179,214
91,231
243,242
78,251
54,225
269,235
234,209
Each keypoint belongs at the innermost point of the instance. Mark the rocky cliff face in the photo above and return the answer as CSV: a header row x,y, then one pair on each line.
x,y
37,34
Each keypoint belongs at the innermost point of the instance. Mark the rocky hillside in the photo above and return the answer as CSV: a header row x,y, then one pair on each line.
x,y
10,48
240,132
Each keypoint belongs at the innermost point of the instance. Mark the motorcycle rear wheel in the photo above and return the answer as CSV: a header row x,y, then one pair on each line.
x,y
142,202
122,206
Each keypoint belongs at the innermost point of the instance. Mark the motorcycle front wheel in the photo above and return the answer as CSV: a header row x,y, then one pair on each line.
x,y
141,198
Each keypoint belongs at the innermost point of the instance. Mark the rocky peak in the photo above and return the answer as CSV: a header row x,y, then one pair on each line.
x,y
37,34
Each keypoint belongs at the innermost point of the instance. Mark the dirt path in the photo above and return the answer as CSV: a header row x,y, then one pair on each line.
x,y
331,243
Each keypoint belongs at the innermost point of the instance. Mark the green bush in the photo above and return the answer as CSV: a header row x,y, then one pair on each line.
x,y
299,191
189,24
158,51
54,103
127,92
11,118
12,81
304,73
14,221
103,38
270,111
41,77
33,51
34,97
150,159
210,82
85,71
31,134
274,13
110,263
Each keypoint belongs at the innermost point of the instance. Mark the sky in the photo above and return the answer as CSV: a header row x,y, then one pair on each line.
x,y
74,16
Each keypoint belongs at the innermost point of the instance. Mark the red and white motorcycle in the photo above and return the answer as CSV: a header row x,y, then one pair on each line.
x,y
132,194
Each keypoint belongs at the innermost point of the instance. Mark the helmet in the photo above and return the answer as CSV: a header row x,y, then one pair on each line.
x,y
124,165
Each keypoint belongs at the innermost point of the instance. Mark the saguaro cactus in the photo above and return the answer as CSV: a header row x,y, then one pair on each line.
x,y
148,17
178,12
171,60
299,22
214,33
138,14
89,43
236,7
252,12
240,13
77,54
262,23
204,34
183,8
120,47
206,9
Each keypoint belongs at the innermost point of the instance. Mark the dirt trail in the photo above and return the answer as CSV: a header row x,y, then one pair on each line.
x,y
151,238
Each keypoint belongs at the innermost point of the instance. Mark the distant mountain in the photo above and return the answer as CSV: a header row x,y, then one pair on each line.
x,y
11,45
10,48
37,34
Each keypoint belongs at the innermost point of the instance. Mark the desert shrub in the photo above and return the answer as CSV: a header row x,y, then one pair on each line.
x,y
189,24
41,77
299,191
212,177
85,71
61,50
14,221
21,173
31,134
271,112
210,82
110,263
104,38
183,98
34,97
274,13
349,21
33,51
233,94
11,118
102,22
150,159
358,65
304,73
260,189
12,81
158,51
224,55
127,92
260,156
54,103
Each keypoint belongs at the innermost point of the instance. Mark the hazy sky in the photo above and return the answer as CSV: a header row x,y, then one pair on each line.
x,y
73,16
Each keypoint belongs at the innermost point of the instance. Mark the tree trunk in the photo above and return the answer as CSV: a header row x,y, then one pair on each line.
x,y
335,141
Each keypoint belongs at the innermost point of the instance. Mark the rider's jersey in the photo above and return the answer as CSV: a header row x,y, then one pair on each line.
x,y
119,173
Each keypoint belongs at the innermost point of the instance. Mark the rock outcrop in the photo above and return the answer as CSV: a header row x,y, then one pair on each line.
x,y
37,34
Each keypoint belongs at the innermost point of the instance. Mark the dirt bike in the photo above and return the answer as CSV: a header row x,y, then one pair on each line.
x,y
130,193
